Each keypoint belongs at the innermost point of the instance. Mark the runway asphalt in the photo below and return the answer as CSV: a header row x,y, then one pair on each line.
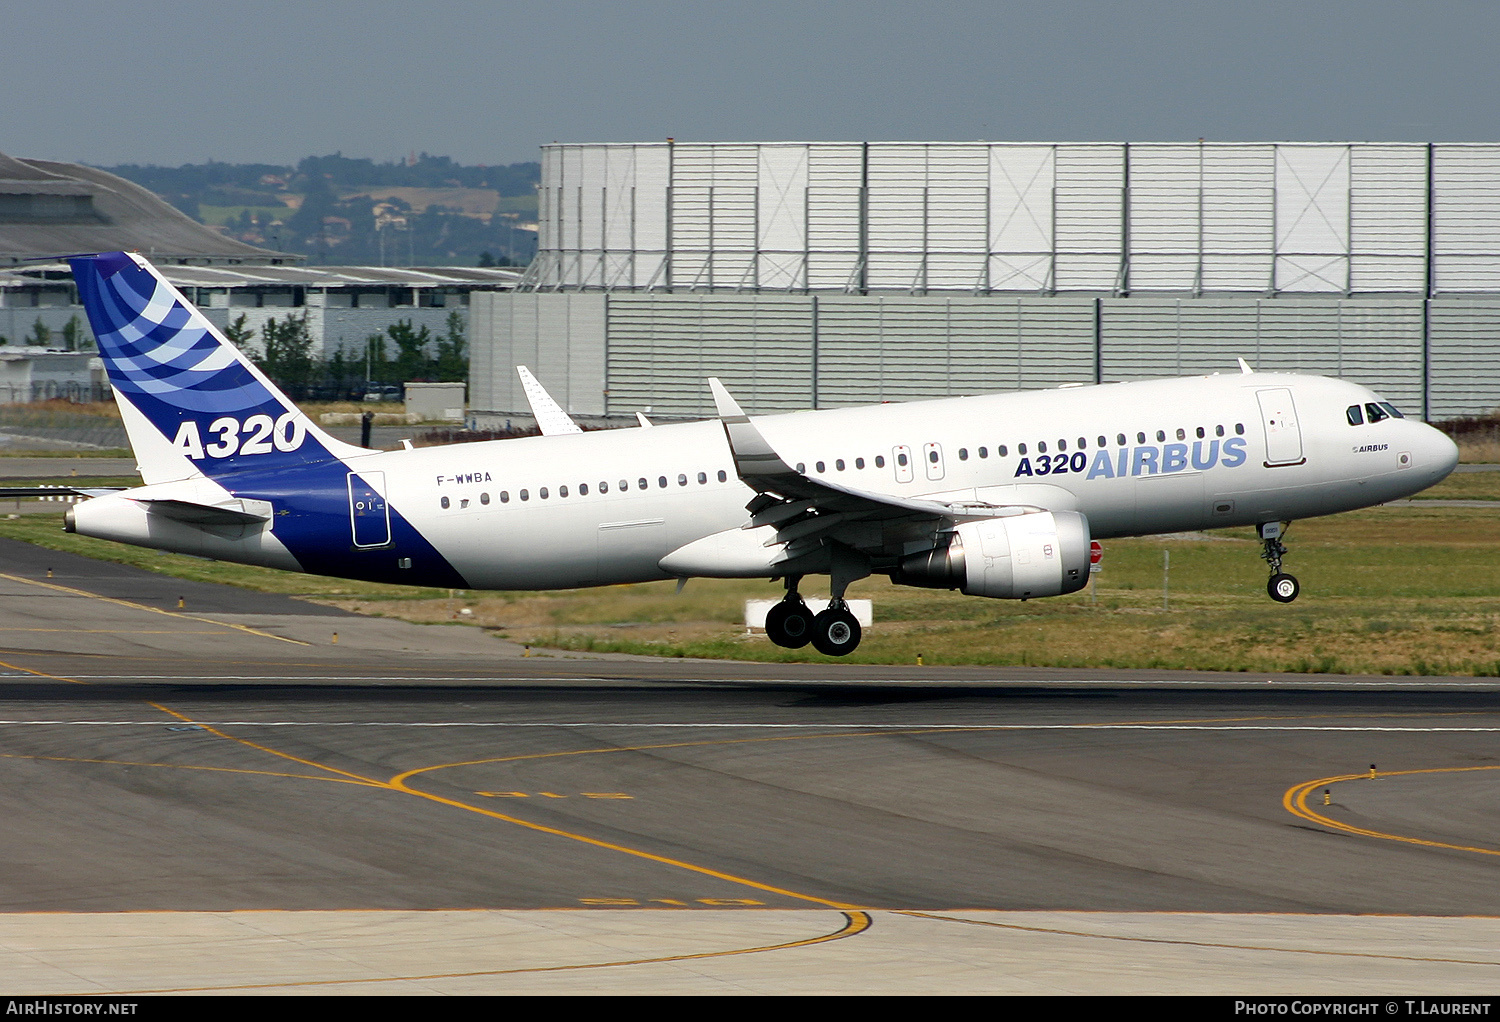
x,y
163,767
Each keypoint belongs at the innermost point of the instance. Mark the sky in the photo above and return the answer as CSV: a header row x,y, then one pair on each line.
x,y
271,81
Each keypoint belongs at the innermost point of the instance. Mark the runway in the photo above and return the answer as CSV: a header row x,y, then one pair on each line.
x,y
424,808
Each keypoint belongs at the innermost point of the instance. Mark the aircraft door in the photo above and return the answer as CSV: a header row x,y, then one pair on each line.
x,y
932,458
369,514
1278,415
901,463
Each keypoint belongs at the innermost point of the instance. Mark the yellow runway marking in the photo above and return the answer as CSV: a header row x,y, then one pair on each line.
x,y
398,784
855,922
141,606
1191,943
1295,802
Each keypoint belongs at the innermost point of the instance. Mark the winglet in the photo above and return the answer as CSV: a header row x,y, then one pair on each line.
x,y
1244,367
755,460
727,406
550,418
641,418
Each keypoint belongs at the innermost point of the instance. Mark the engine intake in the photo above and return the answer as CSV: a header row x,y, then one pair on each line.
x,y
1016,558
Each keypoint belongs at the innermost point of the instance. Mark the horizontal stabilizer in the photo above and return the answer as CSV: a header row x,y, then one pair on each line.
x,y
12,492
234,512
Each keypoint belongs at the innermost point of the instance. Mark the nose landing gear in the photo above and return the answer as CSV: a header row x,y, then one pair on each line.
x,y
1283,588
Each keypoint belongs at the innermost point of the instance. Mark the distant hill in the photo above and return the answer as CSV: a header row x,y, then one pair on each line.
x,y
422,211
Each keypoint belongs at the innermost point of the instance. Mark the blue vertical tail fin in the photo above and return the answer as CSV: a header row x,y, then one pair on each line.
x,y
193,404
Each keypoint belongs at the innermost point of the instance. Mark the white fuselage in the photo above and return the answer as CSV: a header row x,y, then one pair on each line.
x,y
1135,458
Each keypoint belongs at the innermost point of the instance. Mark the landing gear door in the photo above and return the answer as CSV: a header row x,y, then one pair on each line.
x,y
369,514
1278,415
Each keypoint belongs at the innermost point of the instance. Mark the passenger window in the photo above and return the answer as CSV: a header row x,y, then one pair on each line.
x,y
583,489
1062,445
542,492
505,496
1021,450
603,486
484,498
702,478
1140,438
839,464
464,502
1120,439
1355,416
932,456
859,463
723,477
1218,431
682,480
1083,443
1002,452
1239,429
562,491
1161,436
1375,412
880,461
445,502
984,452
641,483
1200,432
525,495
1181,433
1392,409
801,467
963,454
822,467
901,460
1041,447
661,482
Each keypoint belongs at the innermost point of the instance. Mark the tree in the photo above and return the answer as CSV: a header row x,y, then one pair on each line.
x,y
239,334
74,338
485,259
452,352
412,362
286,353
40,336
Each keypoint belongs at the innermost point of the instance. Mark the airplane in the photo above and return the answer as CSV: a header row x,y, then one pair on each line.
x,y
998,496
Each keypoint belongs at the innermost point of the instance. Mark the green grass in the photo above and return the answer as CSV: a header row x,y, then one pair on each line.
x,y
1403,590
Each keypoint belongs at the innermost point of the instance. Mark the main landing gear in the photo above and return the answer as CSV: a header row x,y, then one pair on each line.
x,y
1283,588
792,624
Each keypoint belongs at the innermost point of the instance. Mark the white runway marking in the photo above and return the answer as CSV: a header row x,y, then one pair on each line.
x,y
1403,729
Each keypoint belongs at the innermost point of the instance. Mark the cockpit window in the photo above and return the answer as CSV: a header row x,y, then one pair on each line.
x,y
1356,417
1392,409
1375,412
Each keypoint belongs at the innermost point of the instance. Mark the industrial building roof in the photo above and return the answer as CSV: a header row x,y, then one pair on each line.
x,y
328,277
54,209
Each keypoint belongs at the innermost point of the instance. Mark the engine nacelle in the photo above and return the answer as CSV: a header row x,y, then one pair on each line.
x,y
1016,558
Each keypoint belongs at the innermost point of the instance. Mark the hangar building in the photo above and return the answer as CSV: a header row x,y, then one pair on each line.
x,y
820,274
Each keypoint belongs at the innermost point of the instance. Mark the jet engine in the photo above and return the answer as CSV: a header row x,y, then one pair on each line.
x,y
1045,553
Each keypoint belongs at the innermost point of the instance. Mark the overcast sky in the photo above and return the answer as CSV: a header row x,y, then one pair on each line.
x,y
487,82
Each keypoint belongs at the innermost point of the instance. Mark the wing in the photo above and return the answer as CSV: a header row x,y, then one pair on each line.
x,y
805,512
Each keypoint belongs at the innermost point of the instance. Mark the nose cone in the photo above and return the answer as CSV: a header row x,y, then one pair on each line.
x,y
1436,454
